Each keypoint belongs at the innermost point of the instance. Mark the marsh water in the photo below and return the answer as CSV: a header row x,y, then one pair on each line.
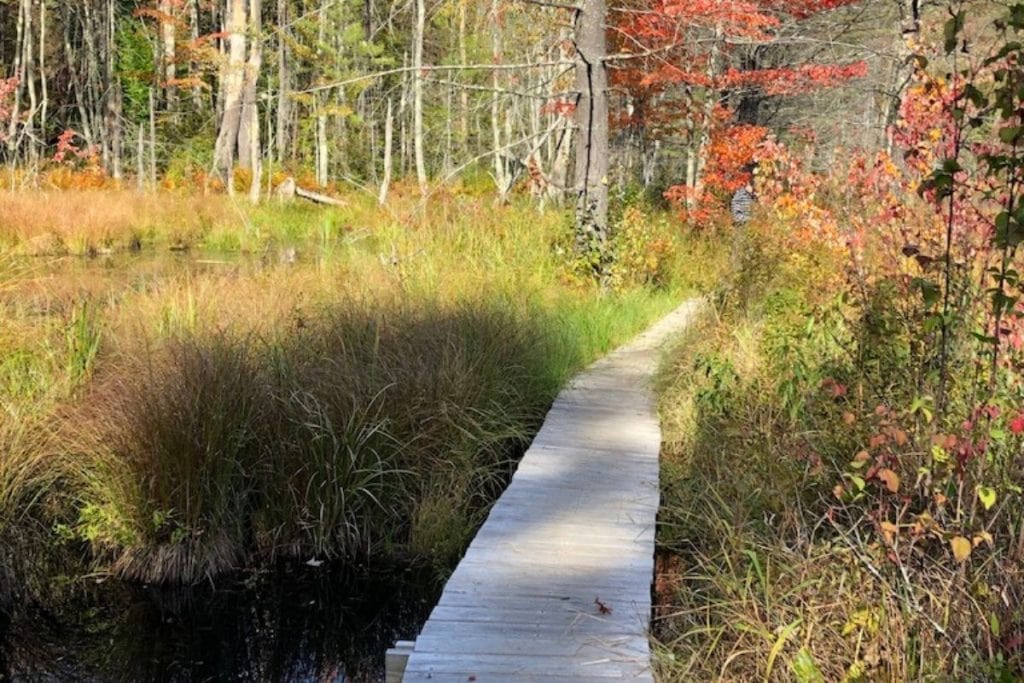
x,y
293,623
323,625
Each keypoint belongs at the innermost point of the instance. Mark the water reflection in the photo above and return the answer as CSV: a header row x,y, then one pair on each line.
x,y
292,624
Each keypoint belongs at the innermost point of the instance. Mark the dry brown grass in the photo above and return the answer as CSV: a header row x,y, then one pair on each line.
x,y
90,221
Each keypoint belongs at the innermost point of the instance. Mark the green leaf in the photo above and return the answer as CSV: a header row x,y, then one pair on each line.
x,y
987,496
984,338
929,291
805,669
972,93
951,31
780,642
1011,134
923,405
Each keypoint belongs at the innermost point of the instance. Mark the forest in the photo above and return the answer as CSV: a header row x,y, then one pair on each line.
x,y
286,291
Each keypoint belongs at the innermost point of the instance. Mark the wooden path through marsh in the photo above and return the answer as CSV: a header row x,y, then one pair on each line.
x,y
556,586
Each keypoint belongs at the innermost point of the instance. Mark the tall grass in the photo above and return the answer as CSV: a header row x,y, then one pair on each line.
x,y
365,431
362,403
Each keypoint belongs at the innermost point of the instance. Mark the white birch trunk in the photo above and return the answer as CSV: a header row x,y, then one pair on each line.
x,y
417,101
385,182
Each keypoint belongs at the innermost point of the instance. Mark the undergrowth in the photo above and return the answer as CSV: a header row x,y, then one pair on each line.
x,y
825,517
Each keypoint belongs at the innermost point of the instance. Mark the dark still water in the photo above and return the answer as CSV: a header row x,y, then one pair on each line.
x,y
296,624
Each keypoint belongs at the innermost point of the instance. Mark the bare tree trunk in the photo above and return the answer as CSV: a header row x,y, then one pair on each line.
x,y
29,69
94,80
691,165
560,165
152,140
321,117
114,99
198,101
77,82
283,83
448,152
15,116
403,137
321,149
699,158
592,121
464,94
113,124
44,103
417,93
650,162
501,179
902,68
140,159
249,128
248,142
389,126
232,80
167,68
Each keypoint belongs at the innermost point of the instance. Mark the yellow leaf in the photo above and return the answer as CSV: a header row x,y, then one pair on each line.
x,y
961,548
983,537
890,479
889,531
987,496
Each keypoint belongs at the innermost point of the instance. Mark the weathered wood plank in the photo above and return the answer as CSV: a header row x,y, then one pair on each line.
x,y
571,536
593,665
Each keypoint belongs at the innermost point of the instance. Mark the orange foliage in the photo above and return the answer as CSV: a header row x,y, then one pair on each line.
x,y
730,152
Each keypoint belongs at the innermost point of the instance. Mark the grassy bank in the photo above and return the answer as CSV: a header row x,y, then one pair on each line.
x,y
169,418
823,517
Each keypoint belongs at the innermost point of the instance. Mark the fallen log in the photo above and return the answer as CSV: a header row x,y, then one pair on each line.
x,y
288,189
318,198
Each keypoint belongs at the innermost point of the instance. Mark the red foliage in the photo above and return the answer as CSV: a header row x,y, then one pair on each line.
x,y
674,43
7,88
559,107
731,150
66,147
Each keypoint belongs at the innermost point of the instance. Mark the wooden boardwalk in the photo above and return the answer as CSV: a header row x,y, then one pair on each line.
x,y
556,586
